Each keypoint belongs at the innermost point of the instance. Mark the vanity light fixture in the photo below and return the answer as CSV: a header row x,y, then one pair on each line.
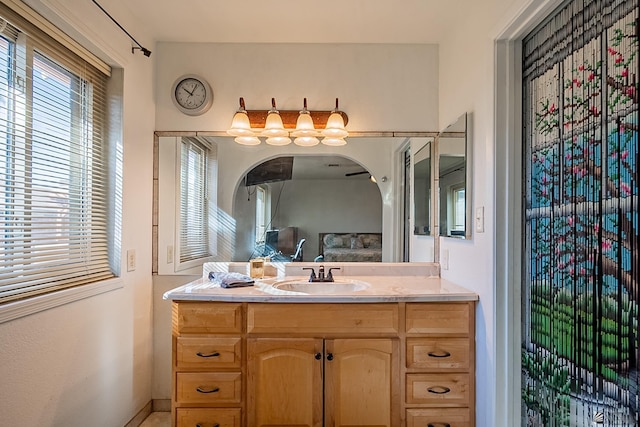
x,y
306,127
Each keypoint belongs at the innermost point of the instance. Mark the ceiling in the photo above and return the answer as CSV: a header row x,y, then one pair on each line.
x,y
326,167
288,21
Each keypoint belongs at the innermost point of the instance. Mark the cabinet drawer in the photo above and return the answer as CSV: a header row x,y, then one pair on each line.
x,y
206,318
208,417
439,318
352,319
440,417
438,353
208,387
203,352
438,389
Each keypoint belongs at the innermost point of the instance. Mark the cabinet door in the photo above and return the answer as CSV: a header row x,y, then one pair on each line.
x,y
361,382
284,382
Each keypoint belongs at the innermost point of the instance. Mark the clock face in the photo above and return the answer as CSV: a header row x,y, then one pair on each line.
x,y
192,95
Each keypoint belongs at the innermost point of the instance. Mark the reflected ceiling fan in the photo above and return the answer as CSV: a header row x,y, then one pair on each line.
x,y
356,173
371,177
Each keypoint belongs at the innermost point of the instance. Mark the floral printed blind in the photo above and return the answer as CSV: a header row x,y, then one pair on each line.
x,y
581,337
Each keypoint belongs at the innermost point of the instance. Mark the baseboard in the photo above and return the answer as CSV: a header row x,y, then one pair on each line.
x,y
140,416
161,405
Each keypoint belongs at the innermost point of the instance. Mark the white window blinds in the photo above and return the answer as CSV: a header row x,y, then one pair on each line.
x,y
55,213
194,230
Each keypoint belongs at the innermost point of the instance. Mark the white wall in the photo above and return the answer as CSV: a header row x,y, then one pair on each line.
x,y
90,361
325,206
468,84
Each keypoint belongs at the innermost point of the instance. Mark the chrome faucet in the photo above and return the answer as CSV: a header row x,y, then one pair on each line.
x,y
321,274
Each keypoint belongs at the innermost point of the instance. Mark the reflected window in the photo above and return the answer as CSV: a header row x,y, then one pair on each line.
x,y
458,205
193,230
262,216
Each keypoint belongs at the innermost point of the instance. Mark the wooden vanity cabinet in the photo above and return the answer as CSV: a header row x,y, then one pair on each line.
x,y
440,364
320,364
208,364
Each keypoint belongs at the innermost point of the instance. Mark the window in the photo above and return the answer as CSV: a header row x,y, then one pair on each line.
x,y
458,207
262,217
57,216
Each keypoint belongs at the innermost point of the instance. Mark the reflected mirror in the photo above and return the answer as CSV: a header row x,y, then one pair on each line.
x,y
453,182
422,190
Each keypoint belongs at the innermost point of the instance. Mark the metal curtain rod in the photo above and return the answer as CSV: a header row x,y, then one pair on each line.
x,y
144,50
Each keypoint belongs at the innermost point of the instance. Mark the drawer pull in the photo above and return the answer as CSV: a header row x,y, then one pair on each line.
x,y
439,389
214,354
215,425
438,425
443,354
213,390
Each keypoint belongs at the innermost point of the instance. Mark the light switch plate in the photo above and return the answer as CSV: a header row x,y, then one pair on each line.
x,y
131,260
480,219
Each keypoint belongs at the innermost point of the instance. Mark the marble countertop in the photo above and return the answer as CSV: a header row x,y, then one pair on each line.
x,y
386,288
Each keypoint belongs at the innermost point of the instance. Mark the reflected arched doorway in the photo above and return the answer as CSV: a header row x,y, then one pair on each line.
x,y
316,194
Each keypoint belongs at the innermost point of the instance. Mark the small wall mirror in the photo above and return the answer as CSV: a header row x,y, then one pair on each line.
x,y
453,182
422,190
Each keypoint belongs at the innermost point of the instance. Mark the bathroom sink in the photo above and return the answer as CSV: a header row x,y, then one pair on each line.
x,y
341,286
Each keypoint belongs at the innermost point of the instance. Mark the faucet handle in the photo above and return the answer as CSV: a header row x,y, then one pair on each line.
x,y
329,275
312,277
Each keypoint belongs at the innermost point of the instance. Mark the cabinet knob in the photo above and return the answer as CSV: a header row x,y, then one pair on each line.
x,y
214,354
318,356
439,389
441,354
213,390
438,425
329,356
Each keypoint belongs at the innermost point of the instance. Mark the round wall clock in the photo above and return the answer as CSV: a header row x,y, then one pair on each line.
x,y
192,95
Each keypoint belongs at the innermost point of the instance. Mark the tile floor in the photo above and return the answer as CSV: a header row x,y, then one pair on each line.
x,y
157,419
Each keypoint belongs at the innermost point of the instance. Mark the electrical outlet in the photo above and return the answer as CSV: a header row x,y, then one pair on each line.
x,y
131,260
445,259
170,254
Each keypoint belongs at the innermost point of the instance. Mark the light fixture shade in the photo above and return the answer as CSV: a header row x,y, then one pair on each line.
x,y
304,125
306,141
334,142
278,140
247,140
273,126
240,125
335,126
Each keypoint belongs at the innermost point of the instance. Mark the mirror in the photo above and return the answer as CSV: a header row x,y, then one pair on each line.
x,y
453,183
422,190
324,209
